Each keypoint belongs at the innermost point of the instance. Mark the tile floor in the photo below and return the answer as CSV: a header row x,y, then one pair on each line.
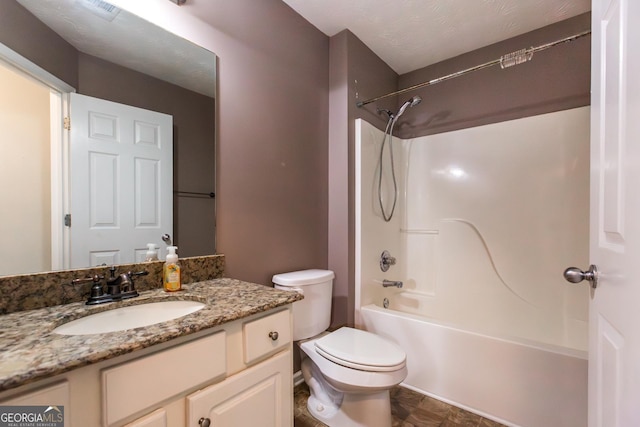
x,y
409,409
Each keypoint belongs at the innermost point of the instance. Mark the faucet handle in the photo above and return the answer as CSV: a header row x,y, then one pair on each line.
x,y
95,279
138,273
386,260
128,282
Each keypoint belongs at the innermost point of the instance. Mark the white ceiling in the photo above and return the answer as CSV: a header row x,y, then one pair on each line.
x,y
411,34
129,41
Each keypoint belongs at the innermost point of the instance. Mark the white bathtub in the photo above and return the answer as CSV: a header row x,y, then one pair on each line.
x,y
514,382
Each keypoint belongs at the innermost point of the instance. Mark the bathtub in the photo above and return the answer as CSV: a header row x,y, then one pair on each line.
x,y
512,381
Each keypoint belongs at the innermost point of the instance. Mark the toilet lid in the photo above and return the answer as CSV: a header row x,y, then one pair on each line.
x,y
361,350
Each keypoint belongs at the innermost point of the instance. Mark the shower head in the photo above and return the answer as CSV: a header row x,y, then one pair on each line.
x,y
415,100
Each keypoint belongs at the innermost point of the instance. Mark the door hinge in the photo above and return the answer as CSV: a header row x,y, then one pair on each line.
x,y
67,123
67,220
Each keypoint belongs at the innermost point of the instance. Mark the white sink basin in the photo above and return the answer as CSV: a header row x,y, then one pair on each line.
x,y
136,316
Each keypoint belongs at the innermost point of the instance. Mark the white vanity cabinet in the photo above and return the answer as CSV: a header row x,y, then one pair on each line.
x,y
235,374
260,395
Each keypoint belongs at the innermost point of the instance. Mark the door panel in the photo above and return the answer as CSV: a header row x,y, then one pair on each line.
x,y
614,339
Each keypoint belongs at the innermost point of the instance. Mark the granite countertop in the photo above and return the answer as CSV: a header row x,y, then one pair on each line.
x,y
30,351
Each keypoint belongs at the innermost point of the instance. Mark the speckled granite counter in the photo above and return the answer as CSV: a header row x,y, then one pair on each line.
x,y
30,351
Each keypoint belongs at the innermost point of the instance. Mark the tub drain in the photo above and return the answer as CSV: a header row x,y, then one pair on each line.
x,y
385,303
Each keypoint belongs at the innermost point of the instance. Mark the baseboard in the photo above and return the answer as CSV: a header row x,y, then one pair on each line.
x,y
297,378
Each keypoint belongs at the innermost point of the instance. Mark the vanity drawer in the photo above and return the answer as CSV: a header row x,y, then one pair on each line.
x,y
266,335
56,395
137,385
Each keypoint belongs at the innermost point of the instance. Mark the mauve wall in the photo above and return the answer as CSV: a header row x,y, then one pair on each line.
x,y
555,79
355,70
24,33
272,143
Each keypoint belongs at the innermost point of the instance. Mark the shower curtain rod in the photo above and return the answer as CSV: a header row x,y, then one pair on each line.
x,y
505,61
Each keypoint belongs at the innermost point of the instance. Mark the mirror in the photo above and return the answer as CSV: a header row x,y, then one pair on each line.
x,y
105,52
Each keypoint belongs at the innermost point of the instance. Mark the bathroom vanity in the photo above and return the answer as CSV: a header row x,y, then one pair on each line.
x,y
228,364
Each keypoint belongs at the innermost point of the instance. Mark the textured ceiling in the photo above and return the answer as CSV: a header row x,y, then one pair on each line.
x,y
411,34
129,41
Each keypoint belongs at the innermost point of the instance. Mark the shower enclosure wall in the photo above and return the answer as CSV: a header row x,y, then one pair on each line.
x,y
487,220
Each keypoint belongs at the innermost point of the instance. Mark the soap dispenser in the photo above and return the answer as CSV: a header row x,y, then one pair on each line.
x,y
152,252
171,271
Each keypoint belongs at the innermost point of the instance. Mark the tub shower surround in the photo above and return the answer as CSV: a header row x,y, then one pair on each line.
x,y
35,291
487,220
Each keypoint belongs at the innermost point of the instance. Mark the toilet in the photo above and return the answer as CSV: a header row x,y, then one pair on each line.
x,y
349,371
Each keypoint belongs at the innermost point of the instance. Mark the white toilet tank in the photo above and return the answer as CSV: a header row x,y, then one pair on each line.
x,y
312,315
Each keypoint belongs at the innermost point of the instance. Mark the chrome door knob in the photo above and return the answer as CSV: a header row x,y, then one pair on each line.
x,y
575,275
204,422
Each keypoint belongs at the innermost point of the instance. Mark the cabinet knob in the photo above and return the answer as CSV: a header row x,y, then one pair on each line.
x,y
204,422
273,335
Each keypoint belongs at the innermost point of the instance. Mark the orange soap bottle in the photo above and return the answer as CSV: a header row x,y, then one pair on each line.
x,y
171,271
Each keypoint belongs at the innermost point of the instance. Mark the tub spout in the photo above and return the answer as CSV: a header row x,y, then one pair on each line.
x,y
394,283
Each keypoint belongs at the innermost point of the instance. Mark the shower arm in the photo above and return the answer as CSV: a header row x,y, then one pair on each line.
x,y
504,61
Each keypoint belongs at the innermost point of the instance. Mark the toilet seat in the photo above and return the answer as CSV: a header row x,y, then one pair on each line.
x,y
361,350
344,379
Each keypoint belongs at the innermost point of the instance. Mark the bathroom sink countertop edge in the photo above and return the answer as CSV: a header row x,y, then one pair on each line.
x,y
30,350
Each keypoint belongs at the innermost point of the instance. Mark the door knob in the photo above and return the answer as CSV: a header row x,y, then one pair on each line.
x,y
204,422
575,275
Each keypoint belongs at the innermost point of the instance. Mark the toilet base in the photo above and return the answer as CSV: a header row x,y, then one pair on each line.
x,y
339,409
356,410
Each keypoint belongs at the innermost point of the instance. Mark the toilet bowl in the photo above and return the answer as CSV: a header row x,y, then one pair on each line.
x,y
349,371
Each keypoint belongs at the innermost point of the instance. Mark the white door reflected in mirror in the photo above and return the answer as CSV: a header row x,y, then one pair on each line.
x,y
121,182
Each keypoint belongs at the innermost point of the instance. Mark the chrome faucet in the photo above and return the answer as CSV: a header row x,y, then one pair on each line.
x,y
392,283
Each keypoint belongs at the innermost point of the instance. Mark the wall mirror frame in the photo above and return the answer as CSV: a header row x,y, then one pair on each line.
x,y
146,67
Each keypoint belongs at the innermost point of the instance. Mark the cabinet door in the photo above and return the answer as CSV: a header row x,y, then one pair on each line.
x,y
259,396
157,418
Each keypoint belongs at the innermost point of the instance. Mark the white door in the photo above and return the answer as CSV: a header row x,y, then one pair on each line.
x,y
121,181
614,319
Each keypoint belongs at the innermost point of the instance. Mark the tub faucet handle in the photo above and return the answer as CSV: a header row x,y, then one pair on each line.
x,y
386,260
